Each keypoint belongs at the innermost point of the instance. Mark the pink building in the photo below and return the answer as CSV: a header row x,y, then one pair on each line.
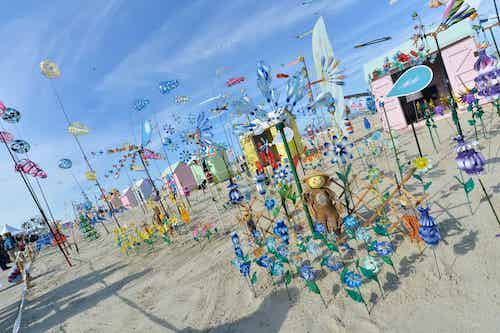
x,y
129,198
458,57
183,177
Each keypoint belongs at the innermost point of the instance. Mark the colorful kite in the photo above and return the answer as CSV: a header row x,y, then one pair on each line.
x,y
11,116
20,146
77,128
182,99
167,86
234,81
141,103
49,69
29,167
6,137
65,163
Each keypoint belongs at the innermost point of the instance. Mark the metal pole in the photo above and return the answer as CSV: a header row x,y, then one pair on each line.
x,y
280,127
392,141
453,104
141,151
33,196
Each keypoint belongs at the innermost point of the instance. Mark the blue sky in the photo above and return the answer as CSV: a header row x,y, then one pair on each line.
x,y
112,52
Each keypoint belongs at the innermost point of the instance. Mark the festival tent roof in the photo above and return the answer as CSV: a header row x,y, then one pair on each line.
x,y
7,228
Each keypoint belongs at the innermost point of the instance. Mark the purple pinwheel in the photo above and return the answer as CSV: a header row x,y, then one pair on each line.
x,y
235,196
428,231
468,159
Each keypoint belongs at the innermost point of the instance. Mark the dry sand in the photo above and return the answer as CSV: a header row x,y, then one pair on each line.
x,y
188,287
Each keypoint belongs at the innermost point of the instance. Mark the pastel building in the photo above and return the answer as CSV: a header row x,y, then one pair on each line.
x,y
458,57
182,176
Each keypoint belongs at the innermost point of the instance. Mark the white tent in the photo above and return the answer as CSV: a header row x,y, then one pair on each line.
x,y
7,228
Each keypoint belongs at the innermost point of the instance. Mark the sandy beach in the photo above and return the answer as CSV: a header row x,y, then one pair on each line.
x,y
192,287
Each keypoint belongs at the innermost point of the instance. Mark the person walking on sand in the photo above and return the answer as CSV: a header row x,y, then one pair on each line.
x,y
4,257
10,246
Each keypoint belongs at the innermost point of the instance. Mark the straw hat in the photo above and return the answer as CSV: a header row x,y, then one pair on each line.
x,y
315,174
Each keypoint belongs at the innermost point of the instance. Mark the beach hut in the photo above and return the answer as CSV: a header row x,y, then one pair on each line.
x,y
218,164
143,189
129,197
458,57
252,145
197,171
182,176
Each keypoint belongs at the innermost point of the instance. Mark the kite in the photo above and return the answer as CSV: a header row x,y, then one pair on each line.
x,y
76,128
211,99
147,129
90,175
219,109
167,86
282,76
65,163
304,34
29,167
3,108
141,103
6,137
11,116
49,69
20,146
148,154
234,81
182,99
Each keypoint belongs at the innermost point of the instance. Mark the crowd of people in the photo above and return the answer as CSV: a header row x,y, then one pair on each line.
x,y
10,245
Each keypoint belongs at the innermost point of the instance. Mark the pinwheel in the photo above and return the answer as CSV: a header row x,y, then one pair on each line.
x,y
468,159
330,73
169,129
11,116
167,86
77,128
141,103
340,149
20,146
456,11
234,81
6,137
49,69
202,134
324,99
185,156
29,167
235,196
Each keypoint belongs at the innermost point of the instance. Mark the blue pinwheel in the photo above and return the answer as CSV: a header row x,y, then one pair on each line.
x,y
141,103
428,231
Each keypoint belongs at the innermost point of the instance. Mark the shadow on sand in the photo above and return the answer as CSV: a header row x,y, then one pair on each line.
x,y
68,300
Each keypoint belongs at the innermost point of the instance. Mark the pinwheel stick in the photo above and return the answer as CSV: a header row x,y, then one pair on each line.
x,y
280,127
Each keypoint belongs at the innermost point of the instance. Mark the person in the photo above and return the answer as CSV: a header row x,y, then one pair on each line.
x,y
3,256
10,246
